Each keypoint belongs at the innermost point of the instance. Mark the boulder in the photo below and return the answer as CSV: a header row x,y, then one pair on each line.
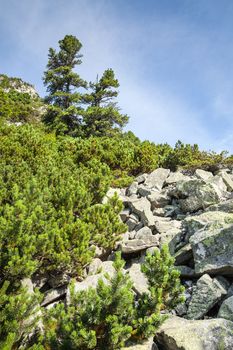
x,y
158,200
206,220
195,194
143,233
186,272
157,178
226,179
213,250
132,189
53,295
141,178
142,208
140,283
183,255
137,245
111,192
144,191
226,309
146,345
180,334
132,221
175,177
203,175
205,295
94,266
226,206
218,184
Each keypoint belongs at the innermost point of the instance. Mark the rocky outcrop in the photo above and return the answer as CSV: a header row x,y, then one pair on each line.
x,y
177,333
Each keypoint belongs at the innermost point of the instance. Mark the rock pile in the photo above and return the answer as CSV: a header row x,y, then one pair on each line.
x,y
193,214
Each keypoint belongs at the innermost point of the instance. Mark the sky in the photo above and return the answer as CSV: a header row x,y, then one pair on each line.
x,y
173,59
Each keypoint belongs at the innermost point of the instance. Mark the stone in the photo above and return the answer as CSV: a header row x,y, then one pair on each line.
x,y
144,191
183,255
218,184
158,200
186,272
226,206
143,232
195,194
157,178
206,220
111,192
181,309
205,295
180,334
132,189
146,345
141,178
226,179
140,283
175,177
203,175
159,212
94,266
53,295
213,250
142,208
226,309
124,214
137,245
132,221
28,285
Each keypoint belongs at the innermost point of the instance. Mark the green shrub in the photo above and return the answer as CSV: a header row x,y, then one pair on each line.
x,y
111,315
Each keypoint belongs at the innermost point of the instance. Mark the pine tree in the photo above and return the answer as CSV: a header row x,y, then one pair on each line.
x,y
102,116
62,83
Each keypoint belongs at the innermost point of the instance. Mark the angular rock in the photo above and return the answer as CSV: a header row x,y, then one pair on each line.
x,y
206,220
141,178
203,175
94,266
137,245
157,178
142,208
227,180
146,345
132,189
144,191
226,206
180,334
111,192
195,194
218,184
226,309
132,221
175,177
183,255
186,272
213,250
158,200
124,214
53,295
140,283
206,294
143,233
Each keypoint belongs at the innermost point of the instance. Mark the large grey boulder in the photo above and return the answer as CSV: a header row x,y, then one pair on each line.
x,y
206,220
226,309
142,208
218,184
195,194
180,334
206,294
213,250
157,178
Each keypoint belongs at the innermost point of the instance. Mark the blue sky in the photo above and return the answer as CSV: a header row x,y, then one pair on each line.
x,y
173,59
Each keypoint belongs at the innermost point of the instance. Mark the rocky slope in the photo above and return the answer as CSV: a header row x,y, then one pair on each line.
x,y
193,214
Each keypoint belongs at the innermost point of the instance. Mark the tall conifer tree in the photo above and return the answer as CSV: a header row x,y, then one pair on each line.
x,y
102,116
62,83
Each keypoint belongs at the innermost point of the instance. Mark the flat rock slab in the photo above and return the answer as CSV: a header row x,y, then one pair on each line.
x,y
206,294
142,208
180,334
136,245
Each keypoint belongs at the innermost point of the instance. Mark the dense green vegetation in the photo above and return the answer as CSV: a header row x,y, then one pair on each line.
x,y
58,157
